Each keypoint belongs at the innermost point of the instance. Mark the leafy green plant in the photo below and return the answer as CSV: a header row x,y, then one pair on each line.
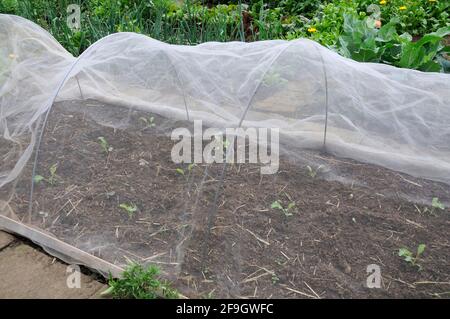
x,y
287,211
358,40
106,148
409,256
361,41
138,282
51,178
326,24
415,17
129,208
422,54
148,121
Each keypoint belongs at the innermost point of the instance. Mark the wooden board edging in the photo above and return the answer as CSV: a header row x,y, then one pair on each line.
x,y
54,244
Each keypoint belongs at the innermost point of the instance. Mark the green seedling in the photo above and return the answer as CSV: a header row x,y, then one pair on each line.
x,y
138,282
52,176
148,121
129,208
186,172
409,257
313,172
106,148
273,78
275,278
436,204
286,211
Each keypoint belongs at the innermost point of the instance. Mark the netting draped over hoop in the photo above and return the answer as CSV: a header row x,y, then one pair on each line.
x,y
55,109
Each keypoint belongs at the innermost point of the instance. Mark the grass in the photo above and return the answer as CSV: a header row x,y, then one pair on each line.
x,y
138,282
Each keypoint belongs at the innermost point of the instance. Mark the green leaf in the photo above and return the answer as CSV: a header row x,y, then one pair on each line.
x,y
53,169
104,144
442,32
129,208
107,292
408,258
404,252
420,249
411,56
102,140
180,171
38,178
430,66
143,119
287,213
277,205
388,32
435,203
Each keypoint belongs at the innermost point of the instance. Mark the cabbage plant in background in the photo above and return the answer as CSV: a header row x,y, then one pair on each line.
x,y
363,42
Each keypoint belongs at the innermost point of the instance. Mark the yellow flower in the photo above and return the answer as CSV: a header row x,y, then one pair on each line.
x,y
12,56
312,30
383,2
402,8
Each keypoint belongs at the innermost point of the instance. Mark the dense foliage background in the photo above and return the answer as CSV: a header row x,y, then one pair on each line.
x,y
366,30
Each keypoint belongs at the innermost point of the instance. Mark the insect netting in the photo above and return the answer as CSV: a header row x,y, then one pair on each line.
x,y
87,148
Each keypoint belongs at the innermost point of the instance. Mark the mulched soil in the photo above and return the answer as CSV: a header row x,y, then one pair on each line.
x,y
348,216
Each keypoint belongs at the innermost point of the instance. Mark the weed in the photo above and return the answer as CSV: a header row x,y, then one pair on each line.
x,y
106,148
129,208
409,257
286,211
138,282
52,176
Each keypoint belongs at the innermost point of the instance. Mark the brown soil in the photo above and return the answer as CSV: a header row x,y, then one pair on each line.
x,y
244,248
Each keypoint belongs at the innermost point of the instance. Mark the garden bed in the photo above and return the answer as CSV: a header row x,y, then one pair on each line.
x,y
347,215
